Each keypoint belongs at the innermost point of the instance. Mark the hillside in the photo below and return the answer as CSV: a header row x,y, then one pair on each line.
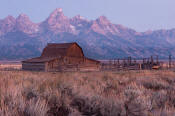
x,y
20,38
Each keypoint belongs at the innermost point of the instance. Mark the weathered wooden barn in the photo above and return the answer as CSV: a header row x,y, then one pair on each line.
x,y
60,57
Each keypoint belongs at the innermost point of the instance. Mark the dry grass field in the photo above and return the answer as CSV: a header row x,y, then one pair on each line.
x,y
124,93
10,66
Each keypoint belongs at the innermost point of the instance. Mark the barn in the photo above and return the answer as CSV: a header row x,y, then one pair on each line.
x,y
61,57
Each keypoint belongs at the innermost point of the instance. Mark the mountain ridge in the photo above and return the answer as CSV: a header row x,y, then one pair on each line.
x,y
21,38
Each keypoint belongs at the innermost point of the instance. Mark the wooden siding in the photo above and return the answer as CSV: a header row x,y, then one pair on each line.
x,y
75,51
52,65
73,60
33,66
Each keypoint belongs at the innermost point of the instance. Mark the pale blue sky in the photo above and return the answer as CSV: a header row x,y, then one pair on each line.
x,y
140,15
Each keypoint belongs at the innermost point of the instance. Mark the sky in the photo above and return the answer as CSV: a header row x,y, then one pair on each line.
x,y
141,15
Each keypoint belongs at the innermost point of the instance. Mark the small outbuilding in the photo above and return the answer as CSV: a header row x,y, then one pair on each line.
x,y
61,57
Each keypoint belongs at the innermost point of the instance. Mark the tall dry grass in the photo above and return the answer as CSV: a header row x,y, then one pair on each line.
x,y
124,93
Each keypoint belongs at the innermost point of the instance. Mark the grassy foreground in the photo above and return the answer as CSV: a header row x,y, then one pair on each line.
x,y
133,93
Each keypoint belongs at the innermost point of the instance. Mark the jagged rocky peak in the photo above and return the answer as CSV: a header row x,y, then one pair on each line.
x,y
22,16
103,26
79,21
57,13
57,22
24,24
58,10
103,20
7,24
10,18
79,17
57,16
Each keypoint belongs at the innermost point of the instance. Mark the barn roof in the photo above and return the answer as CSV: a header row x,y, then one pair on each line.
x,y
60,45
39,60
93,60
56,49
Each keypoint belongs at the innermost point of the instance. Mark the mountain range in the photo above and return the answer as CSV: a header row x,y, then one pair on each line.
x,y
20,38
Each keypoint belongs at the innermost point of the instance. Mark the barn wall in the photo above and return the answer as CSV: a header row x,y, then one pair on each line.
x,y
73,60
75,51
33,66
53,65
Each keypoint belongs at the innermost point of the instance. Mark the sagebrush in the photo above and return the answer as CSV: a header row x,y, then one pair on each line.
x,y
123,93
